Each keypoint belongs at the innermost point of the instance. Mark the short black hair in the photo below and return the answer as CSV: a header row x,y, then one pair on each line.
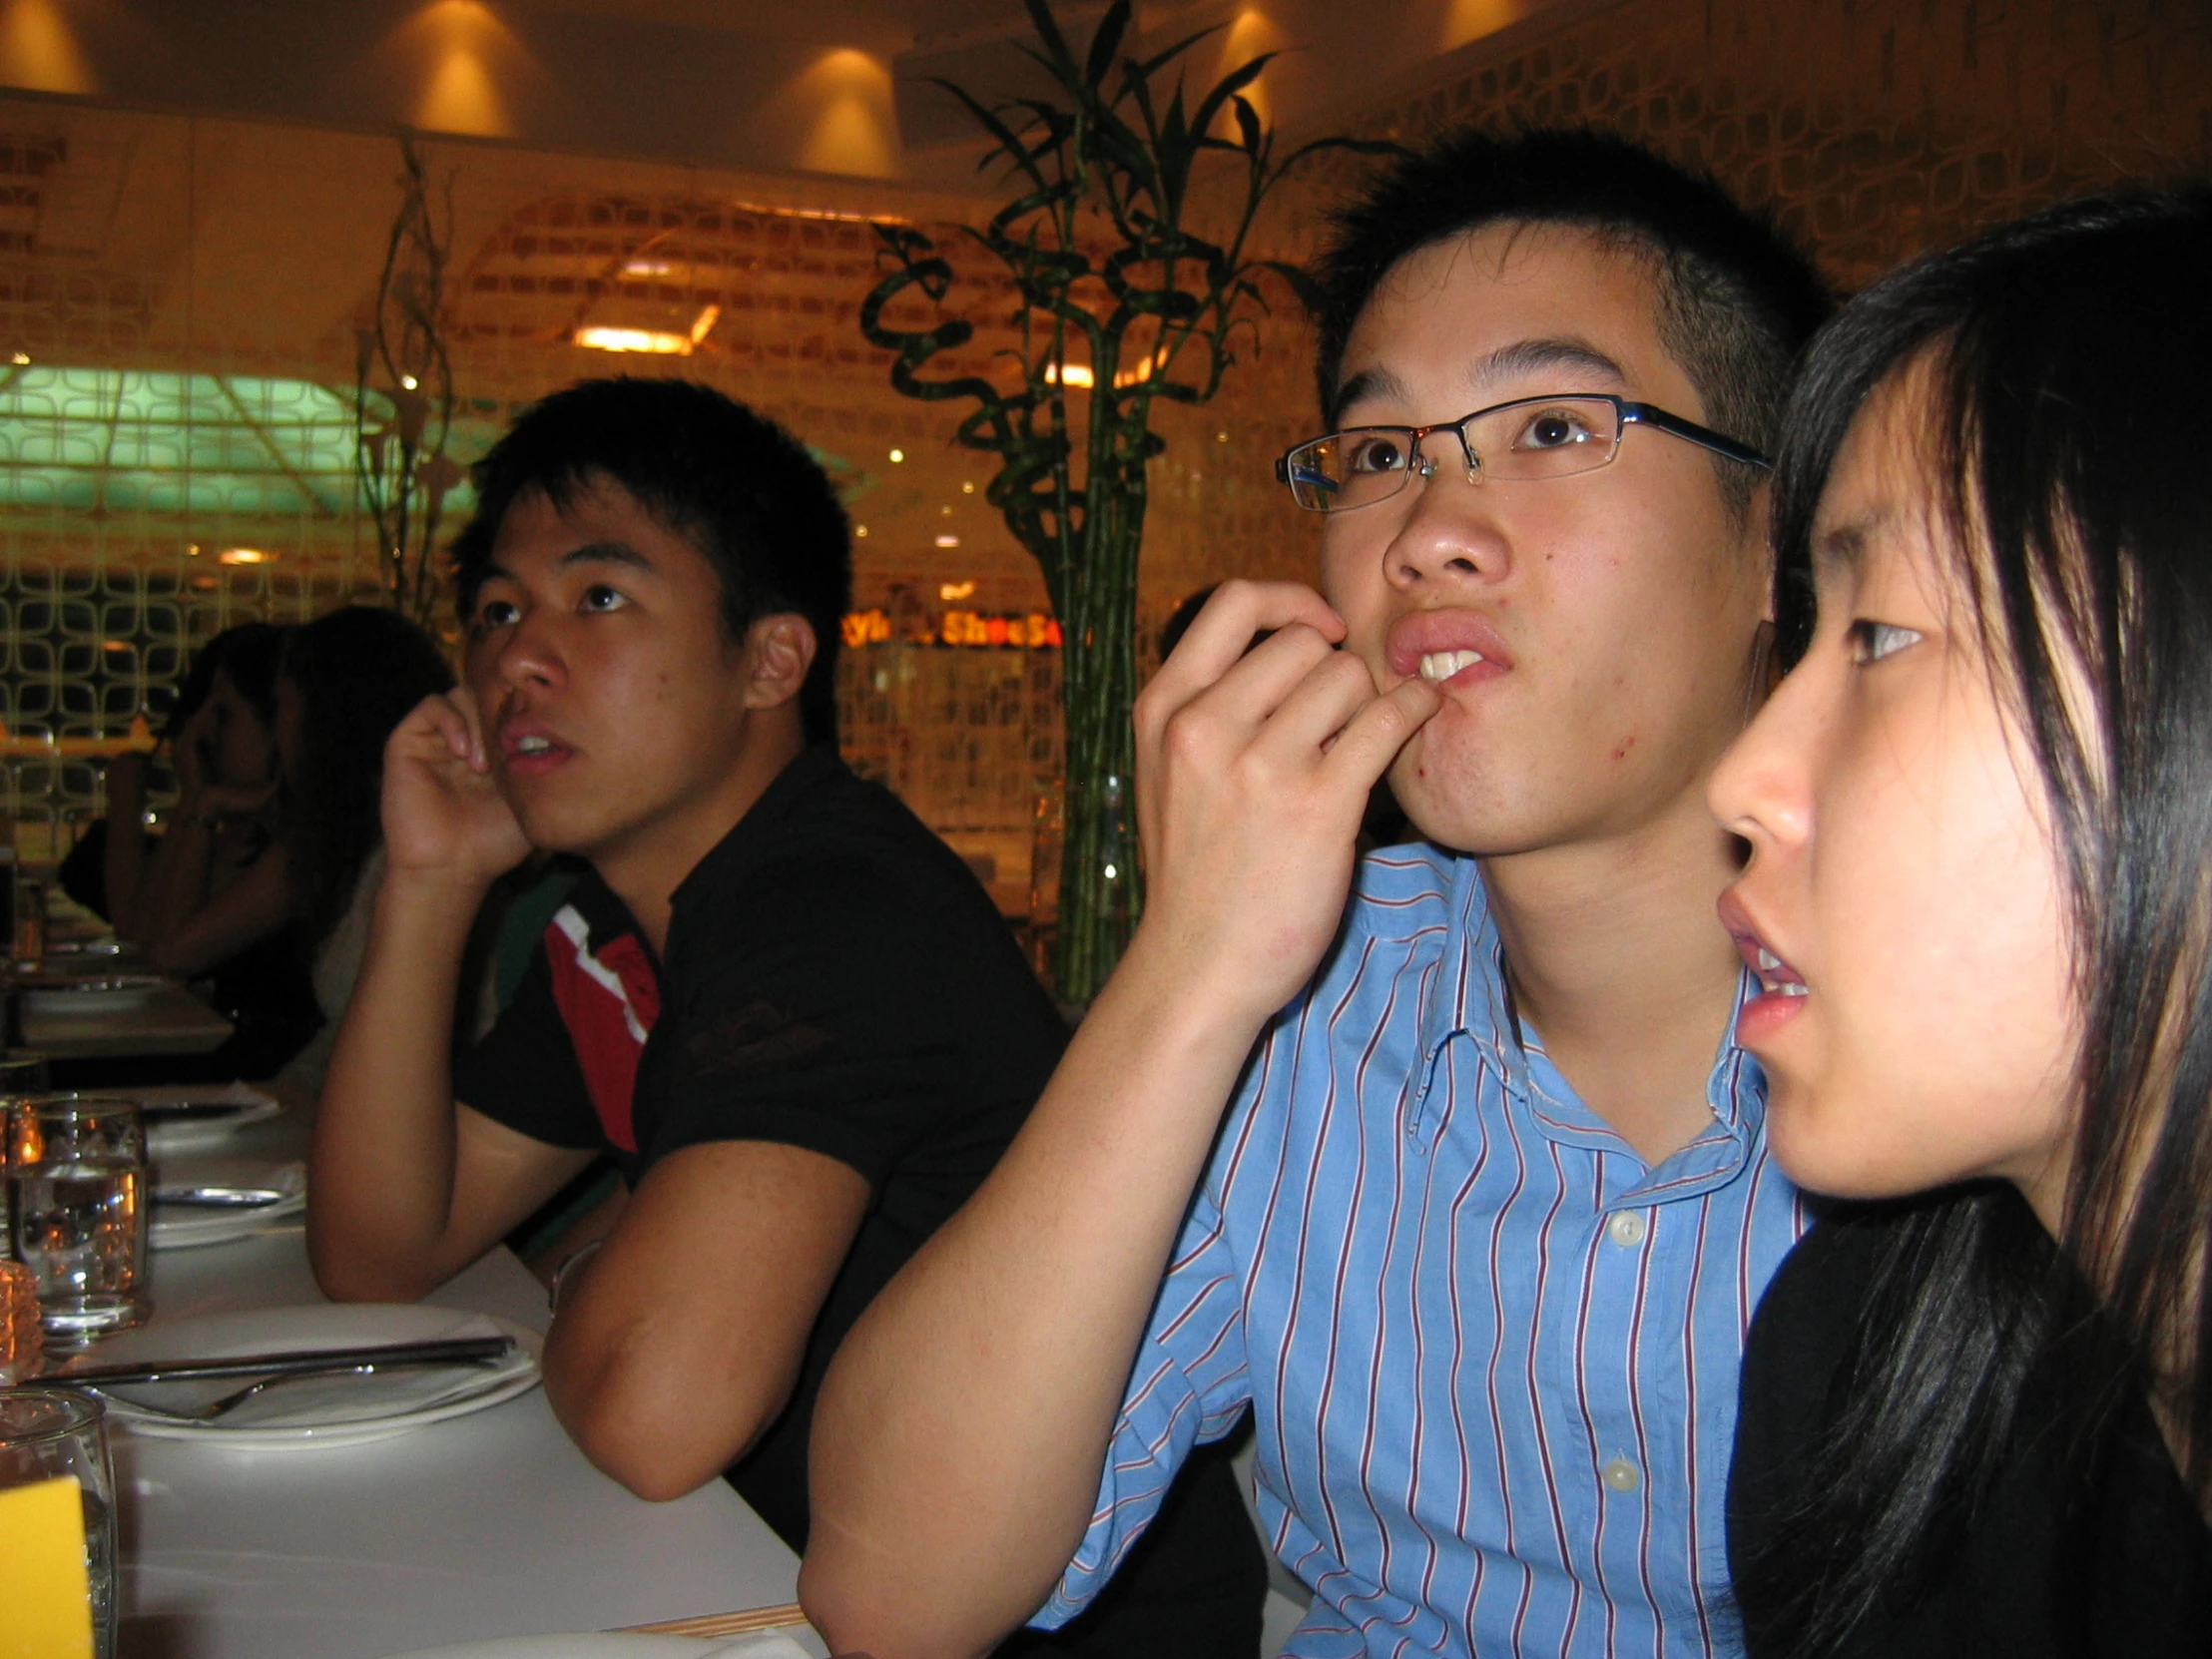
x,y
1736,301
740,487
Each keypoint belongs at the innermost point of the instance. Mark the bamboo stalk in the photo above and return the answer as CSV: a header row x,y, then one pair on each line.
x,y
739,1623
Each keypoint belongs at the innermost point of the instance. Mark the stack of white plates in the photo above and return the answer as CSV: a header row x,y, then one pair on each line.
x,y
220,1110
185,1227
346,1408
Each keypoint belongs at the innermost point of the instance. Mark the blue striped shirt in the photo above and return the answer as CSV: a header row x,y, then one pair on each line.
x,y
1491,1353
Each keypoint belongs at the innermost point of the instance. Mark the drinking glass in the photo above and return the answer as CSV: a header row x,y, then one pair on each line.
x,y
47,1432
76,1209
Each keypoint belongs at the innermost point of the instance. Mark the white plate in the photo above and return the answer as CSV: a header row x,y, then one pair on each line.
x,y
317,1412
190,1134
186,1227
106,995
618,1644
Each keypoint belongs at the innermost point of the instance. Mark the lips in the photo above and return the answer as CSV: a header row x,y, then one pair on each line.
x,y
1445,647
530,749
1781,989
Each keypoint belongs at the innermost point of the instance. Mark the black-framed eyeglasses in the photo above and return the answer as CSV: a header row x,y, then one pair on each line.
x,y
1527,440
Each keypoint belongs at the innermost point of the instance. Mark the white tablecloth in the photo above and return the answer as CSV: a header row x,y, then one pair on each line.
x,y
491,1524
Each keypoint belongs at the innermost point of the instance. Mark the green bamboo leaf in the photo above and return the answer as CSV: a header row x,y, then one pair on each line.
x,y
1002,136
1104,44
1049,31
1154,63
1202,117
1248,124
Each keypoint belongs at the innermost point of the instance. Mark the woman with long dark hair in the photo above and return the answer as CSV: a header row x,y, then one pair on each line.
x,y
1979,905
347,680
222,743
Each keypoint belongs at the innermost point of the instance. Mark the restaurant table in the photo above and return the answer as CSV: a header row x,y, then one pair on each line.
x,y
170,1021
490,1524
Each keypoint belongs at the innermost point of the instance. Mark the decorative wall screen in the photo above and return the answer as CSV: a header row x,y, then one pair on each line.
x,y
180,299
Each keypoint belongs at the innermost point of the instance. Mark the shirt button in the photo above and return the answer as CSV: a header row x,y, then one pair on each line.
x,y
1621,1475
1627,1228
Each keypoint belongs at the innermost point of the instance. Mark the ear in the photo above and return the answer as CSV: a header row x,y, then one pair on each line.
x,y
778,650
1758,544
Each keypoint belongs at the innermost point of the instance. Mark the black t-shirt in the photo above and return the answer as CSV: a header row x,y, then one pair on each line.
x,y
2103,1553
835,980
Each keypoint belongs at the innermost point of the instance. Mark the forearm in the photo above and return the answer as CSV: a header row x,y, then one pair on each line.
x,y
384,1164
174,887
960,1433
124,862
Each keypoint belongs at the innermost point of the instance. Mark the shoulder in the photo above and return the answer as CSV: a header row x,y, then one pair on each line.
x,y
1399,892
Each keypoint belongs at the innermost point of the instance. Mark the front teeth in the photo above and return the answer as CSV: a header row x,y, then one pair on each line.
x,y
1769,963
532,746
1442,664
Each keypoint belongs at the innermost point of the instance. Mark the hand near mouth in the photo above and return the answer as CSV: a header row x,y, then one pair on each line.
x,y
1253,771
444,817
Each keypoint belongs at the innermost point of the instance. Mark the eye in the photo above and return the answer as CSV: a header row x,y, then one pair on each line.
x,y
1380,451
1554,429
1873,641
600,597
491,614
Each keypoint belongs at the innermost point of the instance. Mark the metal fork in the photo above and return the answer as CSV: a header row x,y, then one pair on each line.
x,y
218,1408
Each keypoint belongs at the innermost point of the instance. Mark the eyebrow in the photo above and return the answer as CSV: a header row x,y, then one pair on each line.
x,y
1840,549
1530,356
617,553
1523,358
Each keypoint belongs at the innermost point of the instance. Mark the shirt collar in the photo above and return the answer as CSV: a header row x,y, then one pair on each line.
x,y
776,804
1469,996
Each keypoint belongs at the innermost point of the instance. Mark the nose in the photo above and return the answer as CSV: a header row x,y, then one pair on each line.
x,y
526,652
1761,787
1451,532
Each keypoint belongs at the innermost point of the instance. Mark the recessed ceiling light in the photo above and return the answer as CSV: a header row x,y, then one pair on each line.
x,y
633,340
242,556
948,541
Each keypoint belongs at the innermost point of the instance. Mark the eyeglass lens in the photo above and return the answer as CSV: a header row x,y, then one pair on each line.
x,y
1544,439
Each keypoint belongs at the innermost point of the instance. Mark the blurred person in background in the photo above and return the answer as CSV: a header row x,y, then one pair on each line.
x,y
347,678
221,737
252,886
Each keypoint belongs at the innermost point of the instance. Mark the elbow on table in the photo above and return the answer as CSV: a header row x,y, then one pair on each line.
x,y
856,1611
344,1273
635,1435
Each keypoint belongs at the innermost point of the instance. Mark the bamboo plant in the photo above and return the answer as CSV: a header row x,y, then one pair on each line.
x,y
1123,305
403,397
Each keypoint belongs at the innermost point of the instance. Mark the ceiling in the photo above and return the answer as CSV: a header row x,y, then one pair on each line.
x,y
834,87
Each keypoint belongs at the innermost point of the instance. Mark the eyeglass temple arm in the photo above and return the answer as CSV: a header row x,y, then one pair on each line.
x,y
1650,415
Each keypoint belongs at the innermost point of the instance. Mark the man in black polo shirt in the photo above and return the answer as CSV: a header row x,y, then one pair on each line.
x,y
783,1008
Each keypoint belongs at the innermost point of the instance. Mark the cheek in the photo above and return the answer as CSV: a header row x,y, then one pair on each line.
x,y
1945,1011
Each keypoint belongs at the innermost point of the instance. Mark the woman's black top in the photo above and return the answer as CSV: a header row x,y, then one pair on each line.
x,y
2081,1546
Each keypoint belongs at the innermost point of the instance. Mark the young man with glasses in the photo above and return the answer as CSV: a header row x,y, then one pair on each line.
x,y
1481,1234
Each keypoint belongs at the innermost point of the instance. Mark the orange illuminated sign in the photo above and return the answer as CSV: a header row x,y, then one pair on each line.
x,y
1032,631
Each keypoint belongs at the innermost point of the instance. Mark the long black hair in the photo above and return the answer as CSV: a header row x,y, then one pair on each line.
x,y
357,672
247,652
2065,356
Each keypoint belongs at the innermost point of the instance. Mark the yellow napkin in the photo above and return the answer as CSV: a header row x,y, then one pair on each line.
x,y
45,1602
